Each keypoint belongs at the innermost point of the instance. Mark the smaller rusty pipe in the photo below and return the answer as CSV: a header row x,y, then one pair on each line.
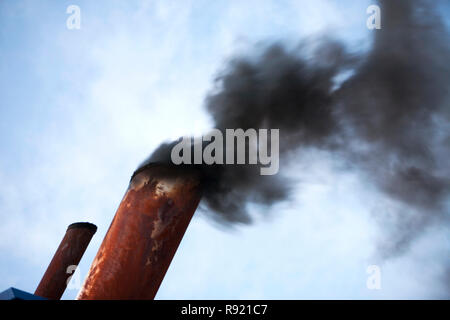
x,y
69,253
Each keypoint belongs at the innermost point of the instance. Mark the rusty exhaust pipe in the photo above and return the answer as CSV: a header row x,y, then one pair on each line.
x,y
69,253
144,234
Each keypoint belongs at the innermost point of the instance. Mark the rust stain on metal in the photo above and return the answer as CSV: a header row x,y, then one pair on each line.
x,y
144,234
69,252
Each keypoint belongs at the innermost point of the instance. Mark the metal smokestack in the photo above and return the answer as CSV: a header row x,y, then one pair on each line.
x,y
69,253
144,234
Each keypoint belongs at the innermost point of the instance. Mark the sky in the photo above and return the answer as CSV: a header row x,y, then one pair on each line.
x,y
80,109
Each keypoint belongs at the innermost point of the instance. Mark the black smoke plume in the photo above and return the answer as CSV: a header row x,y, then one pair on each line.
x,y
389,118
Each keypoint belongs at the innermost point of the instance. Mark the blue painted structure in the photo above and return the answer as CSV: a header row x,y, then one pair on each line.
x,y
16,294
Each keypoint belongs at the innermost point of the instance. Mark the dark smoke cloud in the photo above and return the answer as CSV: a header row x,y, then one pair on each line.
x,y
276,89
389,119
397,106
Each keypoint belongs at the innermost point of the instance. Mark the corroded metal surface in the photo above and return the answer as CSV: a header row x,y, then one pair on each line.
x,y
144,234
69,253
